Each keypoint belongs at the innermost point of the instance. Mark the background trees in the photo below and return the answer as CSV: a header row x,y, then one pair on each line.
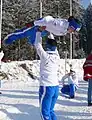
x,y
88,21
17,13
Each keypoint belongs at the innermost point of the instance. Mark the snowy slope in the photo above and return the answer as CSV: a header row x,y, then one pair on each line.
x,y
19,98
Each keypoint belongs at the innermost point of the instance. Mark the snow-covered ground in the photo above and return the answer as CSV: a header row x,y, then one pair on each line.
x,y
19,98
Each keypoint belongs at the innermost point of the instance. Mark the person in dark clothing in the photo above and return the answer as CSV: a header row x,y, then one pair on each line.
x,y
87,67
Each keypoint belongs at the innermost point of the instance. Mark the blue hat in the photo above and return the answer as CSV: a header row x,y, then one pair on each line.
x,y
74,23
51,43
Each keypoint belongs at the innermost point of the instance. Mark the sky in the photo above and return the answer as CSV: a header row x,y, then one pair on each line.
x,y
85,3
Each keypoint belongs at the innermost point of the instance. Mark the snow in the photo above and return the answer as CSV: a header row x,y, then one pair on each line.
x,y
19,98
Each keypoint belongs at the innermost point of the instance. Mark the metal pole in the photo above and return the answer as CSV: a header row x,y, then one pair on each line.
x,y
40,8
36,56
0,22
71,33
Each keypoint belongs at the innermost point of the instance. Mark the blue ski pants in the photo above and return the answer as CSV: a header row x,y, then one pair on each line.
x,y
89,90
69,89
29,33
47,98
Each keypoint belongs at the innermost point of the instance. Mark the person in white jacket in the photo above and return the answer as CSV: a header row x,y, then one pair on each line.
x,y
58,26
72,84
49,84
47,25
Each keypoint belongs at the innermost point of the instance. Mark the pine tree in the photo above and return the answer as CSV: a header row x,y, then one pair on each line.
x,y
89,28
16,13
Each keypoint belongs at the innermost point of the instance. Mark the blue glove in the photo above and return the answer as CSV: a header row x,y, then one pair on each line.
x,y
44,33
31,38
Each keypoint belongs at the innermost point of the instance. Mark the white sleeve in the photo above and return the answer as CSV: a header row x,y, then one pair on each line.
x,y
38,39
40,22
75,78
63,78
38,46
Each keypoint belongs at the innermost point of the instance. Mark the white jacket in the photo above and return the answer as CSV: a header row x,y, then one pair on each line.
x,y
56,26
49,61
72,79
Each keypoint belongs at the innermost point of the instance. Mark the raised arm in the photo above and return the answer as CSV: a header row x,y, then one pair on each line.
x,y
38,46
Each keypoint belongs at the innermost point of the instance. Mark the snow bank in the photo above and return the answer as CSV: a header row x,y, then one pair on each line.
x,y
15,71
